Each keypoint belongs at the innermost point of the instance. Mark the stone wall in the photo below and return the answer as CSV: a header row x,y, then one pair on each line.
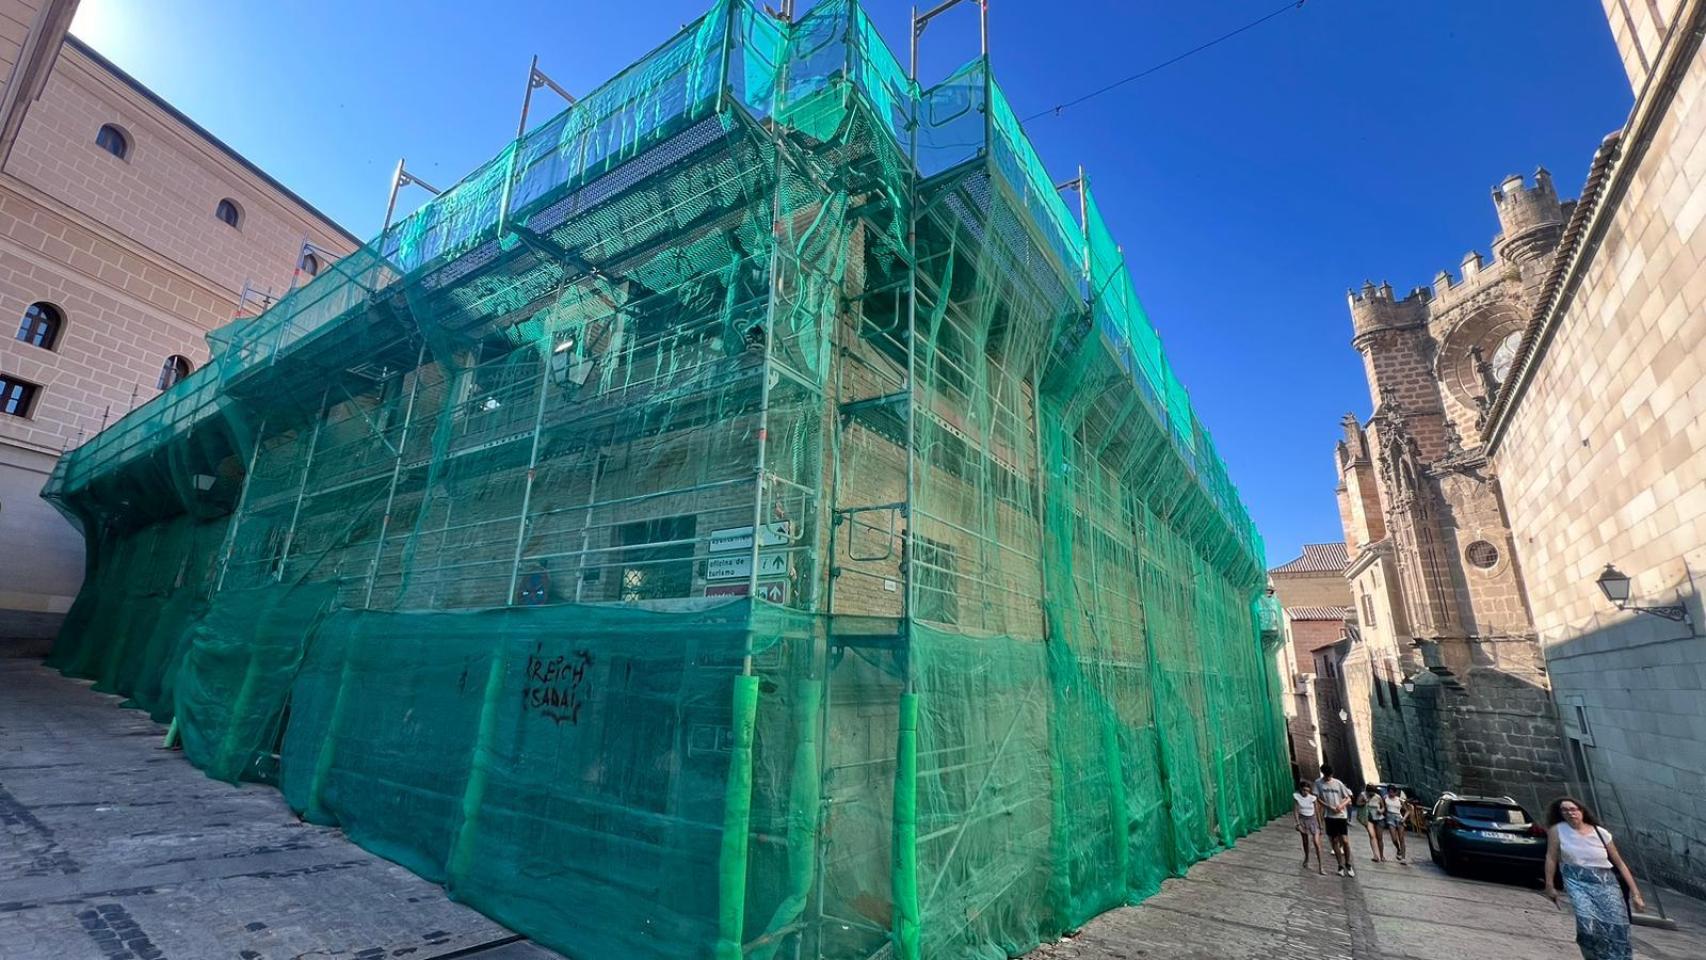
x,y
1601,461
1305,721
162,194
1327,589
1639,29
129,252
1437,578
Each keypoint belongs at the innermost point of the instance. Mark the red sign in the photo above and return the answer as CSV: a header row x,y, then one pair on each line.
x,y
770,591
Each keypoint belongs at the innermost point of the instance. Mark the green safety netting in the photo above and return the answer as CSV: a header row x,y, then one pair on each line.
x,y
752,515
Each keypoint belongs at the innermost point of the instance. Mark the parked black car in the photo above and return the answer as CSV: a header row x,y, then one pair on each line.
x,y
1485,831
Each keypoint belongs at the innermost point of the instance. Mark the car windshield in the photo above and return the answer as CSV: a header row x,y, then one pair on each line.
x,y
1482,811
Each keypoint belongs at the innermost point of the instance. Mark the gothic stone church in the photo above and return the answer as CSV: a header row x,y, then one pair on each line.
x,y
1456,682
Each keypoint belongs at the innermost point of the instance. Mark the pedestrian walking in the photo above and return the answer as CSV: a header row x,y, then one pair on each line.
x,y
1582,857
1305,809
1335,799
1395,810
1370,812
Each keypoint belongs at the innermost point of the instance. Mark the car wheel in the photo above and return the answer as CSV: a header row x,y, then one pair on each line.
x,y
1448,863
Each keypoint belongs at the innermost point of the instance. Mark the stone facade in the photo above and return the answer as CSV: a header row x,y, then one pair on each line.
x,y
1311,726
1314,601
1314,579
1444,669
1598,437
128,253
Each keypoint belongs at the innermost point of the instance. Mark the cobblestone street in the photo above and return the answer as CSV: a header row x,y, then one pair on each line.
x,y
1255,902
113,849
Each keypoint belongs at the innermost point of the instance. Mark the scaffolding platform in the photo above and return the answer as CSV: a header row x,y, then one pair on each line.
x,y
753,507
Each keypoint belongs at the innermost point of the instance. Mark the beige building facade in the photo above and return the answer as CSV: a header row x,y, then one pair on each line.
x,y
1452,684
1315,604
1599,439
127,232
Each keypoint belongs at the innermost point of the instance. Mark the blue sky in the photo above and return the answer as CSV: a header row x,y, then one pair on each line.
x,y
1250,185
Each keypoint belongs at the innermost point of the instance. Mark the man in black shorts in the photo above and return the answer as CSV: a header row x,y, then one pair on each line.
x,y
1334,799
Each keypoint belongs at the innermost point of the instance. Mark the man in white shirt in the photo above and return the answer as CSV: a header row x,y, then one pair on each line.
x,y
1334,801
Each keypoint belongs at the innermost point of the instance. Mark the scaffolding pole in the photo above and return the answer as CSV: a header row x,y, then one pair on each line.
x,y
536,78
237,512
586,523
401,178
396,474
527,488
764,397
302,486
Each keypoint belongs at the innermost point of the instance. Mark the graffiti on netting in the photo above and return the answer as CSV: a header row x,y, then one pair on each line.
x,y
558,687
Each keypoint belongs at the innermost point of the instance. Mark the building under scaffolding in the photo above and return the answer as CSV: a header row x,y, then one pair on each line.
x,y
750,516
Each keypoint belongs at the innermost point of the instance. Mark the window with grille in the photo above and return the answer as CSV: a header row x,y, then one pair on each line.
x,y
41,325
658,561
1482,554
17,397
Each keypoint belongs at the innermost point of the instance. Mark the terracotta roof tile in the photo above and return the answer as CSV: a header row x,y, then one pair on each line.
x,y
1318,558
1317,613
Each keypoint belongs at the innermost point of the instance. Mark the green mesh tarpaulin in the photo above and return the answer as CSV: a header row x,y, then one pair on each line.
x,y
750,516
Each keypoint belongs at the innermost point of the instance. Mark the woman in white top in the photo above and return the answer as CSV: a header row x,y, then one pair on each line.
x,y
1372,812
1582,853
1306,809
1393,809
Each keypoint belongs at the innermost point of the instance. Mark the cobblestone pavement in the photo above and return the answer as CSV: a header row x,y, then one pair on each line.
x,y
114,849
1255,902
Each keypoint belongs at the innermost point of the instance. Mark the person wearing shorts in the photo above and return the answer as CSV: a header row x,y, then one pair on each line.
x,y
1393,802
1334,799
1371,813
1306,810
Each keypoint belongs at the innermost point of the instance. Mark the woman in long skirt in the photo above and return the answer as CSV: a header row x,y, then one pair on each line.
x,y
1584,855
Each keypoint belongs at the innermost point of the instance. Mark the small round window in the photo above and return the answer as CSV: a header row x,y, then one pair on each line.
x,y
1482,554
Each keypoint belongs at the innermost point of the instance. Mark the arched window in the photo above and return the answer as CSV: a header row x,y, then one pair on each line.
x,y
228,211
112,140
174,369
41,325
310,263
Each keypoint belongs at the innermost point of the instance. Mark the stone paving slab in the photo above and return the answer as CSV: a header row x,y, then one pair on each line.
x,y
112,848
1256,901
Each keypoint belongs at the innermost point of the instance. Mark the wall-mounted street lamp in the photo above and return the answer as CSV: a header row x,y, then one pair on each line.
x,y
1409,684
1615,585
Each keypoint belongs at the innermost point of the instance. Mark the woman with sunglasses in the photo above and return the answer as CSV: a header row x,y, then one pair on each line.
x,y
1582,854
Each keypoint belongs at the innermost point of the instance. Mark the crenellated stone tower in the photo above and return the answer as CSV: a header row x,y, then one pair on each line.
x,y
1434,564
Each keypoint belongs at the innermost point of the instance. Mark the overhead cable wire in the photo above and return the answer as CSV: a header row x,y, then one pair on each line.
x,y
1059,108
